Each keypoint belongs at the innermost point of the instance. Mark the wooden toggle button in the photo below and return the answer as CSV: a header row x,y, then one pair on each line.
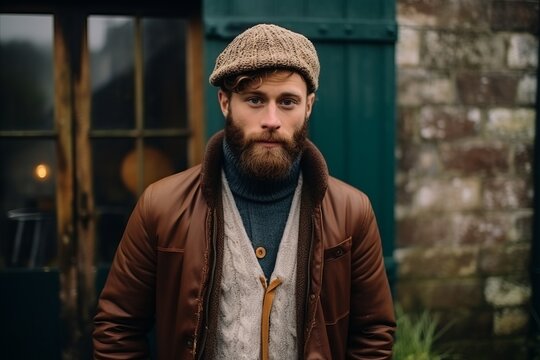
x,y
260,252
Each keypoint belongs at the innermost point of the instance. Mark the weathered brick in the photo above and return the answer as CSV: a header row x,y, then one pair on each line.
x,y
451,229
463,14
469,93
419,159
471,50
507,193
403,198
408,47
421,87
407,123
514,16
511,322
455,194
511,124
523,51
523,159
489,349
483,229
523,227
526,90
477,323
471,158
448,123
424,231
436,262
486,89
440,294
503,292
405,156
498,260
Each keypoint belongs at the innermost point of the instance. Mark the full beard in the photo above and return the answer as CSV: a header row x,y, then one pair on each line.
x,y
259,162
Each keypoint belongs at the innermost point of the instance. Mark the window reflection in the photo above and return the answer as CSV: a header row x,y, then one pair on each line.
x,y
164,73
27,203
171,153
113,200
111,41
116,181
26,72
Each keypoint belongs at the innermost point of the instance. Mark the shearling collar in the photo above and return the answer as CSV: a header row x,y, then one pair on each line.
x,y
312,164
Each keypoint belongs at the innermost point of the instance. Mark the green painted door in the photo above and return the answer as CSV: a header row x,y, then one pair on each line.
x,y
353,121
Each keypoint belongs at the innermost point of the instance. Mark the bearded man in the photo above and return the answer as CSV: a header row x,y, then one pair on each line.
x,y
257,253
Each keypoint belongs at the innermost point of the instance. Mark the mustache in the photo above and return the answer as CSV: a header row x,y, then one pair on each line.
x,y
267,136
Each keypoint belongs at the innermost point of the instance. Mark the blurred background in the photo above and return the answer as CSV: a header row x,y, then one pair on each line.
x,y
428,106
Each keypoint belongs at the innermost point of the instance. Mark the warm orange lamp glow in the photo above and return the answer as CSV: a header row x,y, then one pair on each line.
x,y
156,166
41,171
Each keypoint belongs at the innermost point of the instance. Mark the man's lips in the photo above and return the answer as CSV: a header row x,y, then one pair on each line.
x,y
269,143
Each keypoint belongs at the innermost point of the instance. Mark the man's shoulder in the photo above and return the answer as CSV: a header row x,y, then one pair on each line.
x,y
175,185
341,192
178,177
337,185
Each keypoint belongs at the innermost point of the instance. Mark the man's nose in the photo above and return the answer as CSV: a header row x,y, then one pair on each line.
x,y
271,120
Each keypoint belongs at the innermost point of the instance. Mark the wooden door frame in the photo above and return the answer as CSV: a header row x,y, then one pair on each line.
x,y
75,222
75,225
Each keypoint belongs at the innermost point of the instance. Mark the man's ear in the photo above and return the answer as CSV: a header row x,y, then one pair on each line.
x,y
309,104
223,99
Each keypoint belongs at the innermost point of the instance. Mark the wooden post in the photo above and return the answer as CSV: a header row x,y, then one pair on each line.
x,y
76,223
195,89
65,186
85,197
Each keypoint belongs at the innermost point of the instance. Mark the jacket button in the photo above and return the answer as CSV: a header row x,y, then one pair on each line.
x,y
312,297
189,342
260,252
339,252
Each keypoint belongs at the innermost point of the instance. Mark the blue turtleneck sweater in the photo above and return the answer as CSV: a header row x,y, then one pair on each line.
x,y
263,205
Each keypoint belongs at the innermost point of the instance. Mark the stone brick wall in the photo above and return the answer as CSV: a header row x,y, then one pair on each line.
x,y
466,105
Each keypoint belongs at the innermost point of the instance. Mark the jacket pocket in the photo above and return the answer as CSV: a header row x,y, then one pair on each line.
x,y
335,293
169,250
169,269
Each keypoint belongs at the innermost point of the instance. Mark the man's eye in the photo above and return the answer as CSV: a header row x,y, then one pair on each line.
x,y
254,101
289,102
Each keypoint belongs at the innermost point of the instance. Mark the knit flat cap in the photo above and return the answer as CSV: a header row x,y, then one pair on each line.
x,y
268,46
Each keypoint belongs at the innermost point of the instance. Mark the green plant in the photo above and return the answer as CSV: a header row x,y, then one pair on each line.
x,y
415,336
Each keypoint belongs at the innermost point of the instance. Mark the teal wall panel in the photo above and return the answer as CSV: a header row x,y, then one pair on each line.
x,y
265,8
328,122
370,135
325,9
368,9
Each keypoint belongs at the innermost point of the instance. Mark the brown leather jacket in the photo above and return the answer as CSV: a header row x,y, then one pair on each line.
x,y
168,265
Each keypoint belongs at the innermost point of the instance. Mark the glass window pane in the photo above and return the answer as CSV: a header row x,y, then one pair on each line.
x,y
26,72
108,157
114,200
111,42
164,156
164,73
27,203
116,181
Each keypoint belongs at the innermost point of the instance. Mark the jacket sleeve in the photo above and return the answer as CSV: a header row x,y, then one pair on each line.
x,y
125,309
372,322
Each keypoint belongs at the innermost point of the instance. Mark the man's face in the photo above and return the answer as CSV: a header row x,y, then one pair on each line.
x,y
267,123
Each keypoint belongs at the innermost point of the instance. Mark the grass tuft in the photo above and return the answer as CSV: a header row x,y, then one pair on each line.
x,y
416,335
